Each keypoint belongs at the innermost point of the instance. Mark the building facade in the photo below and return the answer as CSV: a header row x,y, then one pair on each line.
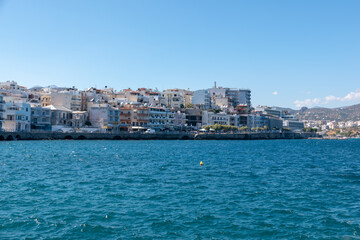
x,y
105,117
2,110
201,98
16,117
40,118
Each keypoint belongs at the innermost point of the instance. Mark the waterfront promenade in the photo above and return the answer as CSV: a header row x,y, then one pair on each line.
x,y
8,136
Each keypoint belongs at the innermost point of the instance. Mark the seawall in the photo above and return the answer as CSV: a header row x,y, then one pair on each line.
x,y
157,136
253,136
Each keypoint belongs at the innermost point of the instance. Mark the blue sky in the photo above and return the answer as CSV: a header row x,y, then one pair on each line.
x,y
289,53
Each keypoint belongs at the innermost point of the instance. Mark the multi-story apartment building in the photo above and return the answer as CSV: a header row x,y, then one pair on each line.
x,y
257,121
70,99
40,118
45,100
2,110
201,98
161,118
125,118
229,97
140,117
105,117
211,118
173,98
293,125
16,117
79,119
179,120
59,116
11,85
193,118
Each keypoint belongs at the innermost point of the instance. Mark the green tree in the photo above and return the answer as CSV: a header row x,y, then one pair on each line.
x,y
189,105
206,127
216,127
244,128
215,110
234,128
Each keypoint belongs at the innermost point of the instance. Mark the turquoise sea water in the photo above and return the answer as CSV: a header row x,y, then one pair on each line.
x,y
274,189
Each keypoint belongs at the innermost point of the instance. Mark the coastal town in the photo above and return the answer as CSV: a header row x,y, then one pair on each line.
x,y
106,110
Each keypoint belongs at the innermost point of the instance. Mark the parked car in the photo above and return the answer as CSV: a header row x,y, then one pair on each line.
x,y
150,130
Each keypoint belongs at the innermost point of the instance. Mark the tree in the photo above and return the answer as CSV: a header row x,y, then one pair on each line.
x,y
285,129
243,128
234,129
189,105
214,110
206,127
217,127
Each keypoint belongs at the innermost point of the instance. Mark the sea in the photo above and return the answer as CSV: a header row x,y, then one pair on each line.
x,y
263,189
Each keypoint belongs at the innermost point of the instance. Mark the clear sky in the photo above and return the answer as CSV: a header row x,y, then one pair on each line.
x,y
289,53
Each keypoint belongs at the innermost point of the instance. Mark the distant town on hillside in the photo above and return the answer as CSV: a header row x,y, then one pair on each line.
x,y
108,110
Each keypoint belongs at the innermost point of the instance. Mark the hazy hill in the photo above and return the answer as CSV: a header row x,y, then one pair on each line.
x,y
337,114
319,113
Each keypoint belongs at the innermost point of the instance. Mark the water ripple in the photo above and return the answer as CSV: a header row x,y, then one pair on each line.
x,y
284,189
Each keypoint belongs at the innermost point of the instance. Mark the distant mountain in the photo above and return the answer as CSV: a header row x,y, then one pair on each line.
x,y
320,113
290,110
338,114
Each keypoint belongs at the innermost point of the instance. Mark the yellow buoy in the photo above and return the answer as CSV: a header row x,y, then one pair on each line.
x,y
201,163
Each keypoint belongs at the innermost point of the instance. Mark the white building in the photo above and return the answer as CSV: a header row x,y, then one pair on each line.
x,y
210,118
230,96
201,98
172,98
11,85
104,116
79,119
69,99
161,118
2,110
257,121
16,117
293,125
59,116
179,119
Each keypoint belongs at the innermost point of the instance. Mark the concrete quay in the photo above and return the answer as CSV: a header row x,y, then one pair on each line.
x,y
8,136
253,136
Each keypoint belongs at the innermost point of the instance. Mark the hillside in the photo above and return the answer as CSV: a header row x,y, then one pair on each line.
x,y
337,114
